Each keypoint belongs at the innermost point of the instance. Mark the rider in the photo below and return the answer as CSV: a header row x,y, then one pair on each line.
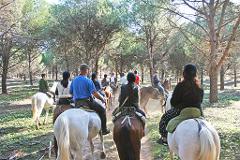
x,y
82,89
105,82
63,90
97,84
129,95
43,86
186,94
123,79
137,81
113,81
157,84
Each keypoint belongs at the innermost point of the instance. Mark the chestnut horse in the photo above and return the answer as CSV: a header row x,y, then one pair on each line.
x,y
150,92
127,134
108,92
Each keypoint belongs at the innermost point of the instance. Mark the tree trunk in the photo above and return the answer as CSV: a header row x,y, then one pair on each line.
x,y
162,75
30,68
222,78
142,73
235,75
151,63
201,75
53,70
56,72
121,63
96,65
5,62
116,71
4,81
213,97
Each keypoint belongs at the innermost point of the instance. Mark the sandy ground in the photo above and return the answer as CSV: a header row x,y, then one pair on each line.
x,y
110,147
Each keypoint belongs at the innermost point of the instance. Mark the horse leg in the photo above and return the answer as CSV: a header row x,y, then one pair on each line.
x,y
171,155
92,148
103,155
46,117
55,146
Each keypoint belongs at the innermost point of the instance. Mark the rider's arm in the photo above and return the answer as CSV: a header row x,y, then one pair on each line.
x,y
94,92
98,96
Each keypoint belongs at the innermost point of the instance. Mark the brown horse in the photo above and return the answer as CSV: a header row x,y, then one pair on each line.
x,y
149,92
127,134
108,93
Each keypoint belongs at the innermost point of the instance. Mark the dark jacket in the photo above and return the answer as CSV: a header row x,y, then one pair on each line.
x,y
97,85
130,91
187,94
155,80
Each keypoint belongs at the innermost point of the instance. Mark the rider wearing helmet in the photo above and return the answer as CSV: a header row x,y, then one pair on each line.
x,y
186,94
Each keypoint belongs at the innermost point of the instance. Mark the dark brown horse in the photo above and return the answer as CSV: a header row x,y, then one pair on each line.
x,y
127,134
57,111
149,92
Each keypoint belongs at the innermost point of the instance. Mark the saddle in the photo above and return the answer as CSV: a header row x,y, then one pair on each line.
x,y
185,114
131,111
84,105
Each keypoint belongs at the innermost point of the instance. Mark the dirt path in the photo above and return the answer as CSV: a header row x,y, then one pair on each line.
x,y
110,147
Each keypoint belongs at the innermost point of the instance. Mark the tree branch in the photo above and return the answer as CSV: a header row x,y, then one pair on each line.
x,y
226,51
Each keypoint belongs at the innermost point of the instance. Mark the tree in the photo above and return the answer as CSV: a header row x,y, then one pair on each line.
x,y
93,24
212,17
150,26
10,39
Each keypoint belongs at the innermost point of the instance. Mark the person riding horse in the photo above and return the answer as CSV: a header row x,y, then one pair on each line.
x,y
186,94
63,90
105,82
97,84
82,89
157,84
129,94
43,86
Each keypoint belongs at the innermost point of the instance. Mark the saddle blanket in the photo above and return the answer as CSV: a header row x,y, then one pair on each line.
x,y
185,114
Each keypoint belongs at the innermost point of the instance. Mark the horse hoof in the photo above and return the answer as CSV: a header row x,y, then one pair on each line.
x,y
103,155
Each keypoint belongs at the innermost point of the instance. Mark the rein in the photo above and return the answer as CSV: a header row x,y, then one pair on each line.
x,y
200,125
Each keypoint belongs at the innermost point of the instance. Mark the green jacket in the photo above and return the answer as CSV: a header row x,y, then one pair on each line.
x,y
43,86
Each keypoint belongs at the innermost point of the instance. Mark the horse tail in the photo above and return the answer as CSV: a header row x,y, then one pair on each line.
x,y
209,143
63,139
34,108
127,145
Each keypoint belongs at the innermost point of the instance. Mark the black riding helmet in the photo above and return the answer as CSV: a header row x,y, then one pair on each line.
x,y
190,71
131,77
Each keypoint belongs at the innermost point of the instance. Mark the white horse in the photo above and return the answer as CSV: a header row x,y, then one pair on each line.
x,y
72,129
41,101
194,139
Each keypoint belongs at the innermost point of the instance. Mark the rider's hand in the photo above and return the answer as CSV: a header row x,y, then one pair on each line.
x,y
103,100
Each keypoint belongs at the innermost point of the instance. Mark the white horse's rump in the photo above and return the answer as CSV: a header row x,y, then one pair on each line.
x,y
194,140
39,101
72,129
